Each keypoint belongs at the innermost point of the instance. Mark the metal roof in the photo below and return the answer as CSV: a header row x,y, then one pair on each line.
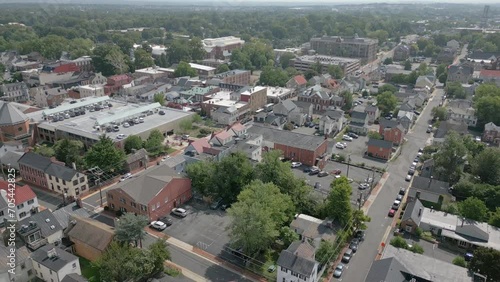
x,y
127,114
76,105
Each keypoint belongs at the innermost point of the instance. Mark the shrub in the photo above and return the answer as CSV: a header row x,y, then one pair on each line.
x,y
205,131
399,242
418,232
416,248
460,261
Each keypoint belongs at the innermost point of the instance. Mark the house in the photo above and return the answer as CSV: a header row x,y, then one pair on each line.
x,y
137,160
401,53
73,277
380,149
481,60
177,163
420,99
332,122
47,173
372,112
298,82
427,169
22,270
15,92
491,134
25,200
313,230
453,44
288,109
492,76
447,126
424,82
64,214
392,130
46,96
430,191
297,263
406,119
15,124
460,73
359,121
446,56
54,264
304,107
40,229
392,72
321,98
408,105
307,149
411,216
462,115
153,193
277,94
89,236
398,264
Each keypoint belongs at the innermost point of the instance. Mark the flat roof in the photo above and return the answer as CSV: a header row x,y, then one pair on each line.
x,y
201,67
278,91
134,111
325,59
82,103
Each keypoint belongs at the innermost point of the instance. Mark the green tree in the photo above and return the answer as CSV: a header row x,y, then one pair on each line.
x,y
407,65
335,71
130,229
338,203
196,119
495,218
118,60
473,208
348,100
388,61
158,253
229,185
459,261
120,262
485,262
257,217
439,113
285,59
486,165
186,125
69,151
325,252
317,67
143,59
375,135
450,158
288,235
45,151
159,98
154,144
2,70
488,109
416,248
310,74
441,69
486,90
184,69
105,155
196,49
359,220
132,142
201,175
178,52
399,242
386,102
455,90
273,77
387,88
442,78
222,68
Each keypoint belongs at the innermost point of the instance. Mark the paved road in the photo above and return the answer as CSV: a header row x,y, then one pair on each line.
x,y
398,168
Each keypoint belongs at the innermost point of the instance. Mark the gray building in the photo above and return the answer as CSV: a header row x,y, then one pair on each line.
x,y
352,47
15,92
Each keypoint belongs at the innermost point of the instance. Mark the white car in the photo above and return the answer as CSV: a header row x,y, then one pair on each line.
x,y
478,139
347,138
126,176
158,225
179,212
121,136
339,146
296,164
126,124
363,186
408,178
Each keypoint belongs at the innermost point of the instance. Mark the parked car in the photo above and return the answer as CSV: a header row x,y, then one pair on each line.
x,y
339,269
420,150
360,234
347,138
363,186
339,146
161,113
417,113
336,171
158,225
347,256
399,197
354,245
314,171
166,219
392,212
408,178
478,139
216,204
225,206
411,171
307,169
179,212
402,191
185,137
125,177
396,204
369,180
353,135
317,185
121,136
322,173
126,124
296,164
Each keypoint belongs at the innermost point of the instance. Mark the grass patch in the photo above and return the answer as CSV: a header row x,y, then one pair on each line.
x,y
171,271
87,270
171,150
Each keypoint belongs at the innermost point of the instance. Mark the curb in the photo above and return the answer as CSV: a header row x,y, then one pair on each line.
x,y
375,192
186,272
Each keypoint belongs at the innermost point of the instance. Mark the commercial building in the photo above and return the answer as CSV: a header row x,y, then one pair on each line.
x,y
46,96
14,124
277,94
91,91
305,63
220,48
154,72
203,71
352,47
15,92
236,77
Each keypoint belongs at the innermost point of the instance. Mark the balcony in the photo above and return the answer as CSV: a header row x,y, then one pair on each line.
x,y
37,244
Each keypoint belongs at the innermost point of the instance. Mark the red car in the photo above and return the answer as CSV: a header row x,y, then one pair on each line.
x,y
392,212
336,172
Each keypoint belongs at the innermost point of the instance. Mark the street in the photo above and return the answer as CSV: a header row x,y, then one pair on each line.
x,y
380,222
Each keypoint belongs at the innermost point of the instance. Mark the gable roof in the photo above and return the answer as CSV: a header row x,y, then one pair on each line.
x,y
490,126
45,220
388,269
379,143
91,232
430,189
462,68
300,79
11,115
413,211
447,126
138,155
63,214
287,104
358,115
55,263
490,73
23,193
35,161
73,277
311,227
288,138
11,158
60,171
334,114
293,260
384,123
479,55
199,144
472,231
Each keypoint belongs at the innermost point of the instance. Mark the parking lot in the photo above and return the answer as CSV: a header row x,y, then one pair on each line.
x,y
358,175
356,151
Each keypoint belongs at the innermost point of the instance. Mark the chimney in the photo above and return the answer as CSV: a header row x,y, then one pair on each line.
x,y
73,165
417,195
419,212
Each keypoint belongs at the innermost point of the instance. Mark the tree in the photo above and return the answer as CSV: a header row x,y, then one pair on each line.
x,y
222,68
258,215
158,253
45,151
348,99
120,262
335,71
416,248
2,70
407,65
399,242
288,235
310,74
486,165
185,125
387,87
196,49
159,98
325,252
229,185
143,59
441,69
118,60
273,77
132,142
442,78
130,229
317,67
184,69
450,158
455,90
473,208
485,262
105,155
375,135
68,151
459,261
488,109
178,51
486,90
359,219
439,113
285,59
388,61
338,206
154,144
495,218
201,175
386,102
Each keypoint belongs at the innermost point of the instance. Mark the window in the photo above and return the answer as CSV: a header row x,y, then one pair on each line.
x,y
58,187
20,206
57,180
50,272
30,202
122,200
153,207
112,206
23,214
158,205
50,177
82,179
75,182
133,204
1,213
33,238
20,129
83,187
110,196
64,182
38,265
74,265
41,274
77,192
144,208
380,149
30,272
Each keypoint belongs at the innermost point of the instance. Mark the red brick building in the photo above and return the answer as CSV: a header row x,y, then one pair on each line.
x,y
234,77
308,149
153,193
491,134
14,124
115,83
61,67
380,149
220,48
392,131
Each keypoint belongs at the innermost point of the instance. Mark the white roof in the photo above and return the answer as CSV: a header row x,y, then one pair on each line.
x,y
201,67
82,103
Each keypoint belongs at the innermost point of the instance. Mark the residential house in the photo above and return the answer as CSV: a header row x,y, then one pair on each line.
x,y
447,126
52,175
481,60
321,98
137,160
297,263
73,277
40,229
153,193
411,216
277,94
430,191
177,163
424,82
18,269
25,200
332,122
64,214
45,96
313,230
288,109
97,79
91,90
307,149
491,134
453,44
491,76
115,83
398,264
90,237
392,130
304,107
462,111
403,96
157,88
15,92
14,124
401,53
359,121
54,264
446,56
373,113
406,119
420,99
297,82
408,105
427,169
460,73
381,149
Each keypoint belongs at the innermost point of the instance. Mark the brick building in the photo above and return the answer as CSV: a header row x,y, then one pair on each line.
x,y
115,83
380,149
90,237
153,193
392,130
61,67
234,77
14,124
491,133
220,48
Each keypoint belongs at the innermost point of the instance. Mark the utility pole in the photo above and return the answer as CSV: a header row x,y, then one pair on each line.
x,y
360,200
348,165
97,172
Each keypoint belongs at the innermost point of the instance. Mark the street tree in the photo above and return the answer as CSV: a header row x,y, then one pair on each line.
x,y
495,218
450,158
142,59
407,65
117,263
386,102
485,262
229,185
338,206
159,98
222,68
154,144
439,113
201,175
130,229
105,155
158,253
348,100
325,252
69,151
45,151
473,208
388,61
335,71
360,219
455,90
486,165
184,69
132,142
387,87
257,217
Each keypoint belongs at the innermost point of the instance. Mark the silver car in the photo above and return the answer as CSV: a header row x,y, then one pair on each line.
x,y
338,270
179,212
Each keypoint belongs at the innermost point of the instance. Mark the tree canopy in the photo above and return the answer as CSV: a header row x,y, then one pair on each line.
x,y
184,69
485,262
132,142
69,152
450,158
105,155
273,76
338,203
386,102
455,90
130,228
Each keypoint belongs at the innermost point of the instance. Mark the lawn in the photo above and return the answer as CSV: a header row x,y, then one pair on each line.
x,y
87,270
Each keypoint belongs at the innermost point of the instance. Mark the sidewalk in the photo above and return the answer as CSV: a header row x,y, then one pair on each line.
x,y
374,193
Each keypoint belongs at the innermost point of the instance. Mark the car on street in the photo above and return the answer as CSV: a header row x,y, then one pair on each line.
x,y
429,129
396,204
224,206
339,146
360,235
420,150
179,212
307,169
392,212
347,256
408,178
166,219
411,171
339,269
314,170
363,186
322,173
416,160
121,136
125,177
417,113
354,245
402,191
336,172
216,204
419,154
158,225
353,135
296,164
399,197
347,138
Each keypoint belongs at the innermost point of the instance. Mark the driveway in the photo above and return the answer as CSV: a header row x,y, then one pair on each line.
x,y
356,151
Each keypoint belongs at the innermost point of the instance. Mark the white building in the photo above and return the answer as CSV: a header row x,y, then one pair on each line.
x,y
23,270
15,92
24,198
297,263
276,94
91,90
53,264
203,71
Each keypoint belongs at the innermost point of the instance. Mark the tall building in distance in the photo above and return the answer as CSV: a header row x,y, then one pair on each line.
x,y
220,48
352,47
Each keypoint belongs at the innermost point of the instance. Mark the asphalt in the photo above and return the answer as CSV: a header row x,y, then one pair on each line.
x,y
380,225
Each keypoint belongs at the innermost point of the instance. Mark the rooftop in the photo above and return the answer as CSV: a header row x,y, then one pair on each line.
x,y
278,91
312,227
490,73
347,39
295,260
45,220
222,41
91,232
201,67
63,214
22,193
326,59
53,258
288,138
379,143
9,114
